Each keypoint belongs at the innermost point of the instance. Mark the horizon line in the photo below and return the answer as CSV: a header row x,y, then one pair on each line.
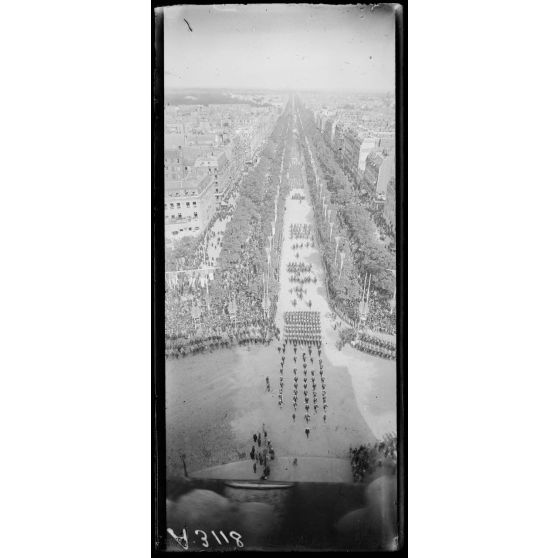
x,y
245,88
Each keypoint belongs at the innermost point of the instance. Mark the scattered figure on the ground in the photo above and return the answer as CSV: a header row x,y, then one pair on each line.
x,y
307,430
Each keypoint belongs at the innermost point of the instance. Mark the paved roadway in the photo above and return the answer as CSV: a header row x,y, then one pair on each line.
x,y
367,372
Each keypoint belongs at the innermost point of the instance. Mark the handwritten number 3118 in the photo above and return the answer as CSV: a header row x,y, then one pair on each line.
x,y
183,540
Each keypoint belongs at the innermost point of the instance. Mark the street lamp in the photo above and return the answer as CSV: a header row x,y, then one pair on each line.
x,y
337,239
342,256
232,310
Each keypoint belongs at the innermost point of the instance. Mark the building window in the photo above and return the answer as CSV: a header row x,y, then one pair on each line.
x,y
187,204
195,215
178,205
173,217
174,232
180,215
194,203
189,228
172,205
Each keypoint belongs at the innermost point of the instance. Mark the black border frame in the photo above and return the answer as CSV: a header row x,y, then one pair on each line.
x,y
158,445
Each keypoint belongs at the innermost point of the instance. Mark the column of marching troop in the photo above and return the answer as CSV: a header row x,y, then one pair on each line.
x,y
302,332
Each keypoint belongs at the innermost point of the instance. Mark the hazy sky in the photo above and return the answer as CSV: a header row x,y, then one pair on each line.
x,y
280,46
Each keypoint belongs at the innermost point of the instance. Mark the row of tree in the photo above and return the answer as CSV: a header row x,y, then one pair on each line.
x,y
369,254
243,256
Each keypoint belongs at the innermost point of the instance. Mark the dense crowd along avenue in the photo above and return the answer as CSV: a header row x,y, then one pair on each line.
x,y
222,280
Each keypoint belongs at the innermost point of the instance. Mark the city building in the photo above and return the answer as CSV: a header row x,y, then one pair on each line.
x,y
389,206
328,131
386,140
338,139
207,148
371,171
189,204
175,168
217,166
385,174
357,145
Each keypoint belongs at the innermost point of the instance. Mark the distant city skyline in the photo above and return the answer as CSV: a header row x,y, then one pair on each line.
x,y
281,47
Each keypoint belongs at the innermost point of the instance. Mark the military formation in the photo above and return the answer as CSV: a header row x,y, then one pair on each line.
x,y
302,327
300,231
306,365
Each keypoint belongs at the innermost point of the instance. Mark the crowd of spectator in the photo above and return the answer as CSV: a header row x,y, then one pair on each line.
x,y
380,318
375,346
367,458
356,236
262,454
233,304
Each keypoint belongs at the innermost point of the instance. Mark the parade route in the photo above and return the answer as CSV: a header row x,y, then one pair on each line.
x,y
373,379
217,401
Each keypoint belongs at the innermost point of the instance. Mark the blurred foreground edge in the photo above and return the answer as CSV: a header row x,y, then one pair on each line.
x,y
258,485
